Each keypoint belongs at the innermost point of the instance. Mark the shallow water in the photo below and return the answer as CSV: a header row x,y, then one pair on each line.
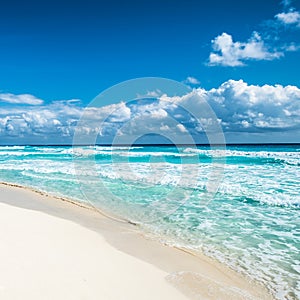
x,y
240,205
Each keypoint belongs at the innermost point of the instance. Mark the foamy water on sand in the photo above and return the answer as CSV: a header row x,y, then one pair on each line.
x,y
252,224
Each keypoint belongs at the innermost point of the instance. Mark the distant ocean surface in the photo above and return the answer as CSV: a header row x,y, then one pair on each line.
x,y
252,224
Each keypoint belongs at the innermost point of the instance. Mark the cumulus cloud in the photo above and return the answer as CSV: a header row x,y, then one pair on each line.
x,y
239,108
289,18
181,128
155,93
233,54
45,121
20,99
271,43
292,47
254,108
191,80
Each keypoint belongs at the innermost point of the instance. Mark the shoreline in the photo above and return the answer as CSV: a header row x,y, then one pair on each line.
x,y
78,203
193,275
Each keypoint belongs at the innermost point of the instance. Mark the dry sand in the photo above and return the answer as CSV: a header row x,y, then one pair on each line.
x,y
53,249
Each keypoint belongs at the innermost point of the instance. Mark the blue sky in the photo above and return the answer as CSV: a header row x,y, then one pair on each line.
x,y
52,52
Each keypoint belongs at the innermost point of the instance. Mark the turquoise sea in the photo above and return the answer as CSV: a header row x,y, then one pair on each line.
x,y
240,205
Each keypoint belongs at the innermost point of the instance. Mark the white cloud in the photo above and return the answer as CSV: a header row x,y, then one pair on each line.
x,y
44,121
270,44
291,47
191,80
226,52
256,107
239,107
120,112
20,99
289,18
181,128
150,94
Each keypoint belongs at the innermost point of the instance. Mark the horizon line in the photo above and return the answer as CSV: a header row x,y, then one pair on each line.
x,y
149,144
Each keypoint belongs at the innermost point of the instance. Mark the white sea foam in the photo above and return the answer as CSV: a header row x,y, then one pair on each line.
x,y
12,148
252,224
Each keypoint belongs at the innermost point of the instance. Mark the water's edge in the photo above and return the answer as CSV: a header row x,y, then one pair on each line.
x,y
163,240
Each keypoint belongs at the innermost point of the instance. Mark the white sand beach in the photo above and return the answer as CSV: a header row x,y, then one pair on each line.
x,y
53,249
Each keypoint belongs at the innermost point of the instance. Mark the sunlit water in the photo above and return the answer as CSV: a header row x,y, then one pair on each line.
x,y
252,223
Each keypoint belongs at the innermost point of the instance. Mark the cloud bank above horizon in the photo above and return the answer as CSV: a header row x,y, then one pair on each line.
x,y
246,113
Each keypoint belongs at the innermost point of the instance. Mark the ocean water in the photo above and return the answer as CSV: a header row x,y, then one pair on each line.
x,y
240,205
